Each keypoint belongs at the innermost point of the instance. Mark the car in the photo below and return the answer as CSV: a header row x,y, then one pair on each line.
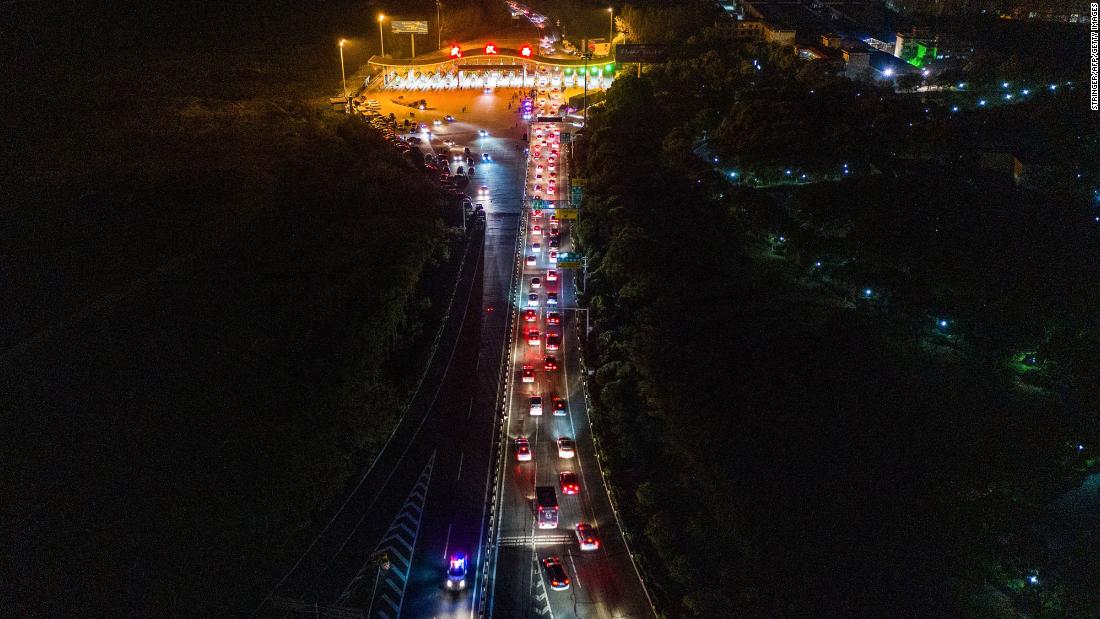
x,y
555,573
553,341
484,189
561,408
553,175
533,299
536,282
423,127
538,187
555,244
530,315
568,482
553,256
536,155
550,189
449,118
536,213
535,405
536,230
536,248
437,122
486,157
448,142
538,168
586,537
550,363
566,448
553,318
551,298
549,166
482,132
456,572
553,219
554,231
551,275
530,261
533,338
487,91
538,177
523,450
528,374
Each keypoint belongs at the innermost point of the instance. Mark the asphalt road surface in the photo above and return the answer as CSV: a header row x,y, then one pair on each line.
x,y
604,582
429,493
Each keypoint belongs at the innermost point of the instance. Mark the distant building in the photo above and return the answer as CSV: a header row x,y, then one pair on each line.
x,y
599,47
1069,11
750,28
857,62
916,47
778,34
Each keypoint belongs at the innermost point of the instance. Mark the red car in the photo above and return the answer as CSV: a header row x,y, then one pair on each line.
x,y
553,341
530,315
553,318
550,363
569,483
551,275
533,338
560,408
528,374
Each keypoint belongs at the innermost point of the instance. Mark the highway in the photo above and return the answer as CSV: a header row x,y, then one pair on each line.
x,y
604,582
384,553
425,497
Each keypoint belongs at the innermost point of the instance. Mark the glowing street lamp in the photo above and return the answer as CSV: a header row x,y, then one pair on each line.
x,y
611,26
343,77
382,41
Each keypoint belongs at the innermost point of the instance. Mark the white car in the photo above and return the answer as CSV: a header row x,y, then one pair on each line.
x,y
536,248
535,404
536,283
530,261
533,300
566,448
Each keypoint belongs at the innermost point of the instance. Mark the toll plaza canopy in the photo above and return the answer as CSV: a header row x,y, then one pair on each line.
x,y
475,67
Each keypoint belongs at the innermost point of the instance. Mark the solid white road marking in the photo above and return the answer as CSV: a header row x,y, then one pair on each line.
x,y
460,457
447,544
576,574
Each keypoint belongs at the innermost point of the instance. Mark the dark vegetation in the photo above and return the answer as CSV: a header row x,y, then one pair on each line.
x,y
785,444
217,295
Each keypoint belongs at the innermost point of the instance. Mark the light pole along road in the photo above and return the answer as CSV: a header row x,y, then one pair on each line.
x,y
603,582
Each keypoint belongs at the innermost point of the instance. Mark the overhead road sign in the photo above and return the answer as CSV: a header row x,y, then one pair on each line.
x,y
409,27
569,260
641,52
566,213
576,195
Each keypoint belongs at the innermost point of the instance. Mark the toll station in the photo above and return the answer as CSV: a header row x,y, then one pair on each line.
x,y
490,66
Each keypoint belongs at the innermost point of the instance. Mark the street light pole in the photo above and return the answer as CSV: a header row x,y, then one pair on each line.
x,y
381,41
343,77
586,56
611,26
438,27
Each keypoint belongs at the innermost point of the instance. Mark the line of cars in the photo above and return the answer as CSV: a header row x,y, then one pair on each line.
x,y
541,344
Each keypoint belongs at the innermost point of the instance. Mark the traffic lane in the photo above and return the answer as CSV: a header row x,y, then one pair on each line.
x,y
452,511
